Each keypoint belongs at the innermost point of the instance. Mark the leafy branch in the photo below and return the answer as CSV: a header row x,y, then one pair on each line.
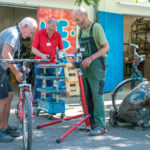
x,y
87,2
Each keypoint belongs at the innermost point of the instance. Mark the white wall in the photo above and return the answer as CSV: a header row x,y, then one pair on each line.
x,y
128,21
62,4
125,7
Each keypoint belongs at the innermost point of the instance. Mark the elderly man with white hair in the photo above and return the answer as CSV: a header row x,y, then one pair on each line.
x,y
10,42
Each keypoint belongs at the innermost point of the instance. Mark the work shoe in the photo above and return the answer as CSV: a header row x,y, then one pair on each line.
x,y
83,128
113,118
4,138
97,131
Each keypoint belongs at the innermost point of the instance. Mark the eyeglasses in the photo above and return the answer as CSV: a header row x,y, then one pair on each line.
x,y
51,30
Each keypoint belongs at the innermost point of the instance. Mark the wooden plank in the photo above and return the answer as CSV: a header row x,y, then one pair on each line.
x,y
75,93
70,72
72,79
72,89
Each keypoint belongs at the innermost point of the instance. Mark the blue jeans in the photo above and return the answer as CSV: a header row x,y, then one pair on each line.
x,y
39,82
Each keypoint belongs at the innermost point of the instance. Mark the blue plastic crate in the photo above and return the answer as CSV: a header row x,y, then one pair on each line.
x,y
51,105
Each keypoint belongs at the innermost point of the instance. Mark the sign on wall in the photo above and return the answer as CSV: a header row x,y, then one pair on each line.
x,y
66,27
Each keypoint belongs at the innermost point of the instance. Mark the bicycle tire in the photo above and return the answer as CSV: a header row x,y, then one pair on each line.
x,y
27,121
122,90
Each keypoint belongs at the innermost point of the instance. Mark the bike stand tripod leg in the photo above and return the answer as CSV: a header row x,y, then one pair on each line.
x,y
85,111
85,115
72,129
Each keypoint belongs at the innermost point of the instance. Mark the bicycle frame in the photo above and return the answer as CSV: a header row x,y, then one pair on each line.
x,y
22,88
136,74
137,59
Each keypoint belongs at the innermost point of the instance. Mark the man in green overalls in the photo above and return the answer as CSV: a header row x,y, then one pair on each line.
x,y
94,43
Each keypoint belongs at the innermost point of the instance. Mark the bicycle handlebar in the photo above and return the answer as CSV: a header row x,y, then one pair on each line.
x,y
24,60
137,58
131,44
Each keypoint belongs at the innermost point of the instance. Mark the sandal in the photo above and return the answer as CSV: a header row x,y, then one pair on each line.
x,y
12,131
97,131
11,128
14,134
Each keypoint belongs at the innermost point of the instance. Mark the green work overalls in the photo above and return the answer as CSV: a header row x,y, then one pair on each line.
x,y
93,80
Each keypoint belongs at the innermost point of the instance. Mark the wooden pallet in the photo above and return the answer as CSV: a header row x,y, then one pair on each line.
x,y
72,89
72,83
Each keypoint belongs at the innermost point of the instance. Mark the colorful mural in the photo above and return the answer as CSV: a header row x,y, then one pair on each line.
x,y
66,27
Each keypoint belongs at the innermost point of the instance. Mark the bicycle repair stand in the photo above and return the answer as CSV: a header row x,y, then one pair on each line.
x,y
85,114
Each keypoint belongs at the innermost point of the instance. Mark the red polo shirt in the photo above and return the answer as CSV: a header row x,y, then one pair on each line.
x,y
47,45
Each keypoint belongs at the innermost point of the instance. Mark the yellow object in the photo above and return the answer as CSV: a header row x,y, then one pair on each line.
x,y
12,78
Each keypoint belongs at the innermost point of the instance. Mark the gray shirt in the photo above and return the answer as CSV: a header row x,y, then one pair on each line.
x,y
11,37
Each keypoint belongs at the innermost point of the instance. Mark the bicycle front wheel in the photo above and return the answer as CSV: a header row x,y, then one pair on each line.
x,y
27,121
121,91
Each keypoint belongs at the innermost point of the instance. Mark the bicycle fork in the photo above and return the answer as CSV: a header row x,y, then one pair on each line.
x,y
23,89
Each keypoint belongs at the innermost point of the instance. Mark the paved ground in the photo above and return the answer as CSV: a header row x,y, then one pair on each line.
x,y
124,137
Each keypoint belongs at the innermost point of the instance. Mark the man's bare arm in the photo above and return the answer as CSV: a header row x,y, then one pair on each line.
x,y
38,53
87,61
6,54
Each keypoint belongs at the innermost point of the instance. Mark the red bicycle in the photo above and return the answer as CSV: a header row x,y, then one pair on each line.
x,y
24,110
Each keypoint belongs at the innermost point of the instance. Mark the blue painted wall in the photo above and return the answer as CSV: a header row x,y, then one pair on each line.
x,y
113,27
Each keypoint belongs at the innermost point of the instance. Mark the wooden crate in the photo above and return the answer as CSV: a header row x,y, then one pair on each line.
x,y
72,88
72,83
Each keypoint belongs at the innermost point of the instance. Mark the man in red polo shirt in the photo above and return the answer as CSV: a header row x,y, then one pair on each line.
x,y
45,44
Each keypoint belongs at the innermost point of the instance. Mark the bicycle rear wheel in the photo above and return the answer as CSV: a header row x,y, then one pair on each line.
x,y
121,91
27,121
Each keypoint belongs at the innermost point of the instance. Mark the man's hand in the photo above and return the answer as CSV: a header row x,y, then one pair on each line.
x,y
44,56
28,70
86,62
19,76
77,50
